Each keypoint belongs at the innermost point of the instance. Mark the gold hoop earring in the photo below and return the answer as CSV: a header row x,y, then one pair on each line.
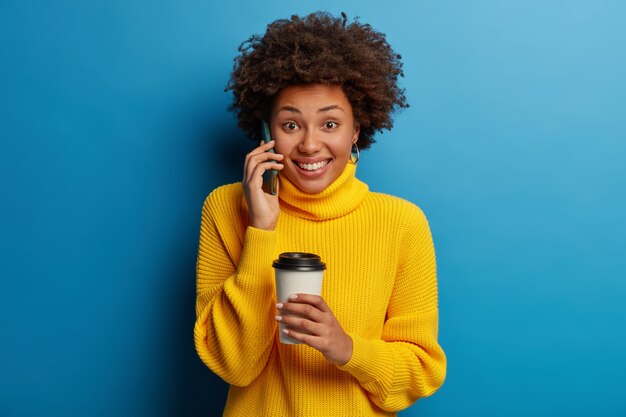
x,y
354,159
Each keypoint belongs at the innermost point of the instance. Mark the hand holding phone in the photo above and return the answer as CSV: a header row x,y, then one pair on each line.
x,y
270,177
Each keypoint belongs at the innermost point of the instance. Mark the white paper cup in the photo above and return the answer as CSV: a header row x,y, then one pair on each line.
x,y
297,272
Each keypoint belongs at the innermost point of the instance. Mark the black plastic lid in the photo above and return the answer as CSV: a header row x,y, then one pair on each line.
x,y
299,261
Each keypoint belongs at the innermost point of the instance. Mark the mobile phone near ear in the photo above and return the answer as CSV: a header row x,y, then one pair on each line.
x,y
270,179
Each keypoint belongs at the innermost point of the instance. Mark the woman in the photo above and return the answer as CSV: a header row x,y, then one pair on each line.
x,y
370,340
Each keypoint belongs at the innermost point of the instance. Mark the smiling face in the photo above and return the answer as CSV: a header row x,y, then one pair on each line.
x,y
314,129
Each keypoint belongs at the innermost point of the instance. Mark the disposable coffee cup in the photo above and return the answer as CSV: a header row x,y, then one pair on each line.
x,y
297,273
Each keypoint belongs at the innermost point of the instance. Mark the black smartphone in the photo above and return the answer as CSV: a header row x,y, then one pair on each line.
x,y
270,179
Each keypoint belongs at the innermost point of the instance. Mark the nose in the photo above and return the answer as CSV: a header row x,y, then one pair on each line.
x,y
310,143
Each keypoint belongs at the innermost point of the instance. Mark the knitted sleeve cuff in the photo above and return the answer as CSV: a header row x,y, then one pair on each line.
x,y
372,360
259,250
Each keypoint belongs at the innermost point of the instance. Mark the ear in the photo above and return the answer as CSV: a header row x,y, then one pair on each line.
x,y
357,130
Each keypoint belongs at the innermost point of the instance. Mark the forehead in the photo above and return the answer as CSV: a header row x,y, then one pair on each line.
x,y
312,97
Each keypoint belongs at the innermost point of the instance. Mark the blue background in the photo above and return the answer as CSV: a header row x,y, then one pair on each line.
x,y
114,128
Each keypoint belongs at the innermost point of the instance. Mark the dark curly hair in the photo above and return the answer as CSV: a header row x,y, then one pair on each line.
x,y
318,48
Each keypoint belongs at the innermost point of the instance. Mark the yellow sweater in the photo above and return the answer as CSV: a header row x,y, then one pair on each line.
x,y
380,283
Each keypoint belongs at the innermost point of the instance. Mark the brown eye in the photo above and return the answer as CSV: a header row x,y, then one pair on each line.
x,y
290,126
330,125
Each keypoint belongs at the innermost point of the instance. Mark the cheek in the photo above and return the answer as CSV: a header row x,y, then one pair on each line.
x,y
343,150
280,146
284,144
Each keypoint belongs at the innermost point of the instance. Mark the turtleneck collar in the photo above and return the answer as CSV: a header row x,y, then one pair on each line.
x,y
338,199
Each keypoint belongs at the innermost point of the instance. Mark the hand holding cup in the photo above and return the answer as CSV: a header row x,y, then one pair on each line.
x,y
308,319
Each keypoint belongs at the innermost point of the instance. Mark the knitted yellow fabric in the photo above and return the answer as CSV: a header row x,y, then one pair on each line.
x,y
380,282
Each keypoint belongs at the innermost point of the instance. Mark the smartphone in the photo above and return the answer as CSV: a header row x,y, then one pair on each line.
x,y
270,179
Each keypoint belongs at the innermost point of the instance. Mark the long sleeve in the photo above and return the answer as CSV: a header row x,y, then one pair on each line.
x,y
235,324
407,363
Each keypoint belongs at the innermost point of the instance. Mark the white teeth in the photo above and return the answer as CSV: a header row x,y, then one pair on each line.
x,y
313,167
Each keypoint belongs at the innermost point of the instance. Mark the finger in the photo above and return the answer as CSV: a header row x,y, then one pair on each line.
x,y
267,145
252,161
262,148
265,156
250,154
255,161
259,150
307,311
256,176
307,339
301,325
311,299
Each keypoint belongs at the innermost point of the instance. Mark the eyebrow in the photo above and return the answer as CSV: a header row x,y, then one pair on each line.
x,y
297,110
332,107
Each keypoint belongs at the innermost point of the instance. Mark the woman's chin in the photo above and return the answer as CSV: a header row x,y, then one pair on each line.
x,y
311,186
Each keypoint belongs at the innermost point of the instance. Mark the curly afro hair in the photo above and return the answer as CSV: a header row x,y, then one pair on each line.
x,y
318,48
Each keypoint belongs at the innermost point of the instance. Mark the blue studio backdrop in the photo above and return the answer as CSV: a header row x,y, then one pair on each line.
x,y
114,128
